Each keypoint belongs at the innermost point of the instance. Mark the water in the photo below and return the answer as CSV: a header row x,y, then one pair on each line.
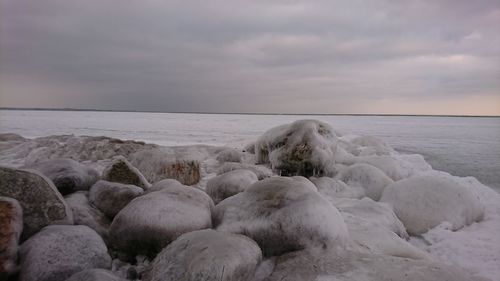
x,y
463,146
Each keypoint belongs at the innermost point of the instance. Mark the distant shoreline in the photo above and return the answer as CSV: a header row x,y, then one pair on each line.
x,y
244,113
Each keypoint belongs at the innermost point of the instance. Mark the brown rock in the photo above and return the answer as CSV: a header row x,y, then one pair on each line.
x,y
42,204
186,172
11,226
122,171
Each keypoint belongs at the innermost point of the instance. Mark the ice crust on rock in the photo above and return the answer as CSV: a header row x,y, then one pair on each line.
x,y
164,184
262,172
333,189
42,204
428,199
67,174
206,255
229,184
326,266
122,171
11,226
111,197
282,215
229,155
304,147
370,178
150,222
96,274
86,214
58,251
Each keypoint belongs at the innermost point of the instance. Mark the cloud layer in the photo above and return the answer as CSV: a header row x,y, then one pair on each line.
x,y
409,57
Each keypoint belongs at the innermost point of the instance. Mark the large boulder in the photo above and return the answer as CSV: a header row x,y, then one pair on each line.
x,y
326,266
206,255
304,147
120,170
150,222
96,274
262,172
426,200
42,204
58,251
229,184
163,184
86,214
111,197
282,214
333,189
11,226
67,174
369,177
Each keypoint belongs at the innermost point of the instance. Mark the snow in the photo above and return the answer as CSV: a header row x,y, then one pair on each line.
x,y
426,200
282,214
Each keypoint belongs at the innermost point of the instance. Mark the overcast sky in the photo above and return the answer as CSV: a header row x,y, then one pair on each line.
x,y
389,56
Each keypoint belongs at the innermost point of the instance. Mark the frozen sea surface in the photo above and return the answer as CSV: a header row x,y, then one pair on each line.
x,y
463,146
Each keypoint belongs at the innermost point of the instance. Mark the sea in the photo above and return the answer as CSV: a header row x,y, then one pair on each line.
x,y
462,146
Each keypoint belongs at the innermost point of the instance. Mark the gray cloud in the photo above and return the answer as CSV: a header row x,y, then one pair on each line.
x,y
250,56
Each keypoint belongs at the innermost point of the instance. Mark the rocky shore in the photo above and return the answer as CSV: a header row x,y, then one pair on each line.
x,y
303,202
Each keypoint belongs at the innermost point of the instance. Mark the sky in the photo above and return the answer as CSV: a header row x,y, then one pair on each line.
x,y
357,56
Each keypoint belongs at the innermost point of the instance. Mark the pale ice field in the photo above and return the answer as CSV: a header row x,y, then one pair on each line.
x,y
462,146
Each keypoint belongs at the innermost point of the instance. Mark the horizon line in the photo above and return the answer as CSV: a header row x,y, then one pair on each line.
x,y
240,113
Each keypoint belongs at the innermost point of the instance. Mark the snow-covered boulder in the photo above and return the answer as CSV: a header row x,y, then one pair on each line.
x,y
67,174
333,189
58,251
426,200
120,170
206,255
11,226
304,147
326,266
96,274
86,214
111,197
370,145
262,172
250,148
370,178
395,166
229,184
150,222
229,155
282,214
42,204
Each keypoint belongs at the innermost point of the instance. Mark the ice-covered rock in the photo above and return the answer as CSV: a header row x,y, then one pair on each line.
x,y
96,274
158,164
229,184
164,184
58,251
326,266
120,170
86,214
370,178
229,155
262,172
42,204
11,226
428,199
150,222
250,148
281,215
9,140
369,145
333,189
111,197
67,174
395,166
304,147
206,255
